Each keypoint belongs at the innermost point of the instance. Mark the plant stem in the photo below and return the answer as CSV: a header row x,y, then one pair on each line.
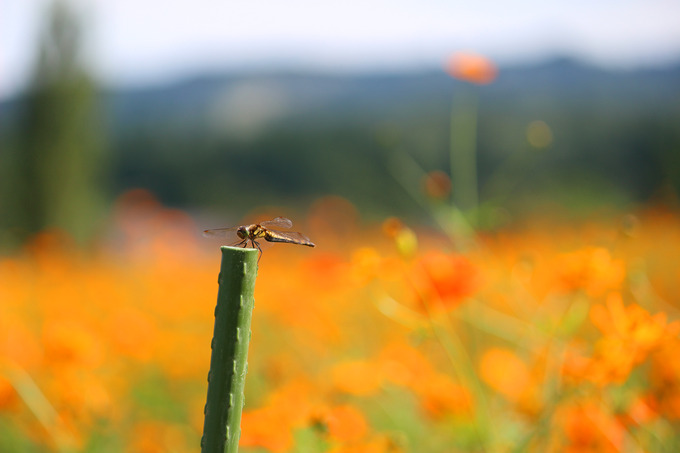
x,y
38,404
463,153
228,361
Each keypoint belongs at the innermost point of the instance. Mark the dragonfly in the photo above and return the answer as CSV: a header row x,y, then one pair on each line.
x,y
269,230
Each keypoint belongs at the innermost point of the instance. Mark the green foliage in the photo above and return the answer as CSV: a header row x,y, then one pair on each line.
x,y
205,144
56,177
610,131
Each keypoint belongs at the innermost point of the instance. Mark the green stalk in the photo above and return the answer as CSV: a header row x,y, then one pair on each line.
x,y
463,153
228,362
39,405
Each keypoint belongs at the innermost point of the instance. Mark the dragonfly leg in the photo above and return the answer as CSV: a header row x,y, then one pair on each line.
x,y
258,247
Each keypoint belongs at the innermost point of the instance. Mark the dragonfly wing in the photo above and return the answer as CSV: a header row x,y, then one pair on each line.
x,y
292,237
279,222
221,233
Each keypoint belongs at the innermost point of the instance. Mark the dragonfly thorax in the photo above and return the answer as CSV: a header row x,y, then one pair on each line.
x,y
250,232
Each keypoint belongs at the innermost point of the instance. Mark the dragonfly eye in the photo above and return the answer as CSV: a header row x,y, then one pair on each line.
x,y
242,233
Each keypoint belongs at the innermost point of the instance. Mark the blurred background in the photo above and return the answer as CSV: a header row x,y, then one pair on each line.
x,y
217,107
492,188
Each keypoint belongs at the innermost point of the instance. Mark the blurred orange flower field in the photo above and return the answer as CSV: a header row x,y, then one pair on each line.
x,y
541,337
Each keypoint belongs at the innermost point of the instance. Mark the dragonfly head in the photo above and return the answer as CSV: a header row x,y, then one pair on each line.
x,y
242,232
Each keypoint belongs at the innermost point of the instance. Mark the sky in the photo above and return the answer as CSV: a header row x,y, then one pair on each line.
x,y
140,42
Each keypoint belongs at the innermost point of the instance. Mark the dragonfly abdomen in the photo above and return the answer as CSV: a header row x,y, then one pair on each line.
x,y
290,237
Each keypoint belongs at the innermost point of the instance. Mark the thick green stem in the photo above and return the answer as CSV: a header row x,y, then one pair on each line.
x,y
228,362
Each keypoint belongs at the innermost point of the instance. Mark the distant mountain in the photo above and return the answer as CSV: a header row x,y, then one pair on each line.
x,y
561,80
308,93
298,135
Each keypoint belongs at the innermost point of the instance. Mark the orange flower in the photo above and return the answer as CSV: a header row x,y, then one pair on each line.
x,y
331,266
8,396
591,269
357,377
132,332
443,281
471,67
158,437
642,410
437,185
366,264
267,428
17,344
589,429
440,396
404,365
376,444
70,343
632,323
100,337
630,334
576,364
272,426
665,379
391,226
81,396
506,373
345,423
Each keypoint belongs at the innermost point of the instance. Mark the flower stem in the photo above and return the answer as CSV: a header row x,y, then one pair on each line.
x,y
463,153
228,361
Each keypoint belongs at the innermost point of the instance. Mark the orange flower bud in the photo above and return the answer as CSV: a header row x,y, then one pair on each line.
x,y
437,185
471,67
